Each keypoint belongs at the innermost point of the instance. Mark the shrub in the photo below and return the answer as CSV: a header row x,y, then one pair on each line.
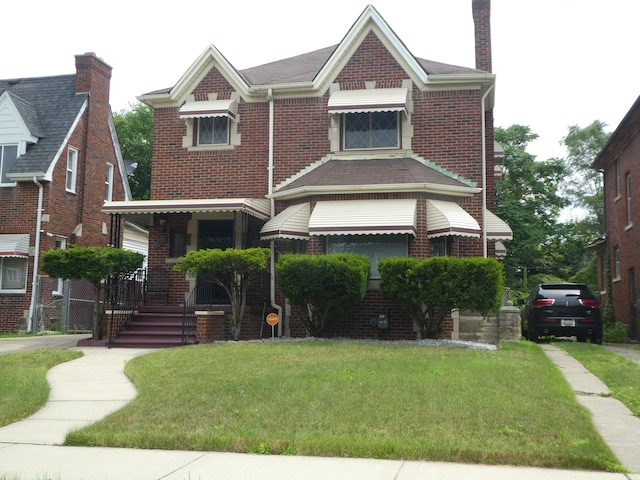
x,y
233,270
323,286
429,288
615,332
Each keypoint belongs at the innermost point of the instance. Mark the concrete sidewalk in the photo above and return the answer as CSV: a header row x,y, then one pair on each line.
x,y
86,389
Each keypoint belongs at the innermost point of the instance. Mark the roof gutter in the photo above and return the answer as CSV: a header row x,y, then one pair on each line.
x,y
36,259
484,170
272,243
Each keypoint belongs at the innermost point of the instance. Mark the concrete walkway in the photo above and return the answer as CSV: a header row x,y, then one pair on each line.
x,y
86,389
619,428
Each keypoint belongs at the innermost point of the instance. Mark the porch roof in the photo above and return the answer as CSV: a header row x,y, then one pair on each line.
x,y
257,207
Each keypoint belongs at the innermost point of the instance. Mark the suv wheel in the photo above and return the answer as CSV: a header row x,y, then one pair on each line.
x,y
532,336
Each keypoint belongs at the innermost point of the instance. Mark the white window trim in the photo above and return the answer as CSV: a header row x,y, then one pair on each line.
x,y
7,184
72,170
108,182
13,290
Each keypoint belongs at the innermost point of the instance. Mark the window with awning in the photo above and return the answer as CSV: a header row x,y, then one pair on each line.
x,y
364,217
292,222
14,258
450,219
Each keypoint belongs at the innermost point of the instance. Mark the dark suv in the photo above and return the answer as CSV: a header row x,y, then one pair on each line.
x,y
562,310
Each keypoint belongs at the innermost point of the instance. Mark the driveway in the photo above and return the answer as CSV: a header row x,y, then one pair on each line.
x,y
24,344
629,352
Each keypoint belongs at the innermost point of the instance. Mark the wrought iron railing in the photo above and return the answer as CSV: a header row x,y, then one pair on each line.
x,y
123,295
189,319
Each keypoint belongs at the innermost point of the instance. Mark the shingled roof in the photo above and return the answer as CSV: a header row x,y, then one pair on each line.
x,y
372,172
49,107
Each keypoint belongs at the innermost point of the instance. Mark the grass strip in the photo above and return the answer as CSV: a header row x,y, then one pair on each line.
x,y
619,374
356,399
23,384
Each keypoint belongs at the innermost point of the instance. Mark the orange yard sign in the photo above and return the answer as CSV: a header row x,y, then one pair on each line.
x,y
272,319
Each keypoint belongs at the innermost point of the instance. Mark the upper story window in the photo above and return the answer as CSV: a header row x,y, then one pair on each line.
x,y
72,169
212,130
210,124
371,118
108,183
617,174
8,157
628,186
371,130
617,264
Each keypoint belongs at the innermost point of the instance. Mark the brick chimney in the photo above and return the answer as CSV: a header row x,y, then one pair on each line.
x,y
93,76
482,22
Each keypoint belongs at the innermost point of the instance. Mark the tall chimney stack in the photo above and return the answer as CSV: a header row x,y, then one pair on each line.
x,y
482,22
93,75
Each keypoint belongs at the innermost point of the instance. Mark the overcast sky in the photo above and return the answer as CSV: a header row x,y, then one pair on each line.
x,y
558,62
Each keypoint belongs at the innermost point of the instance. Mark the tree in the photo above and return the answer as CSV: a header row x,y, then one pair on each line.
x,y
135,134
233,270
584,185
529,198
93,264
323,286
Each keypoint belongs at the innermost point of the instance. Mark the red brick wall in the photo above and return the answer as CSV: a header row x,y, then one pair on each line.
x,y
623,236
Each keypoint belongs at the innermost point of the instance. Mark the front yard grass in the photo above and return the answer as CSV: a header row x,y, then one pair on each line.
x,y
619,374
356,399
23,384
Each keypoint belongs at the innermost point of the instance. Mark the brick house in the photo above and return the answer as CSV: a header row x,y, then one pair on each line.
x,y
358,147
618,261
59,161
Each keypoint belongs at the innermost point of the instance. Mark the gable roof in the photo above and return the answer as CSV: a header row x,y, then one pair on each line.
x,y
312,73
628,128
367,175
50,108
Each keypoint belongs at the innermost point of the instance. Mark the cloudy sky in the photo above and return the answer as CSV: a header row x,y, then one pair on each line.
x,y
558,62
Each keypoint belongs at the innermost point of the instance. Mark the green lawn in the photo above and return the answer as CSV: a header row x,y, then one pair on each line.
x,y
356,399
23,385
619,374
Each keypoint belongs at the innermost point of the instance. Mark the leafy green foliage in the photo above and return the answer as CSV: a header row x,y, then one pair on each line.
x,y
233,270
93,264
323,286
529,198
135,134
429,288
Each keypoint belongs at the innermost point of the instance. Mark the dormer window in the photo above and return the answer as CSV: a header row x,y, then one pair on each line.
x,y
8,157
370,118
210,124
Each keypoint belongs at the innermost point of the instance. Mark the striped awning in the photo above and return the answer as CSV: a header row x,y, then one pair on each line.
x,y
364,217
211,108
450,219
14,245
497,229
369,100
257,207
501,250
292,222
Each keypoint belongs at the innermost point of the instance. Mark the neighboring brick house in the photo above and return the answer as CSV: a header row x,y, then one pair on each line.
x,y
618,259
356,147
59,162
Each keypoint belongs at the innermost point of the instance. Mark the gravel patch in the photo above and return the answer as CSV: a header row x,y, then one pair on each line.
x,y
425,343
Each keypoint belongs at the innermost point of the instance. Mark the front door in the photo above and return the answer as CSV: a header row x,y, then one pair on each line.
x,y
213,234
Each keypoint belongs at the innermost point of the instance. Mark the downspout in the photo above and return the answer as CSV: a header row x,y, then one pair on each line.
x,y
484,171
272,243
36,257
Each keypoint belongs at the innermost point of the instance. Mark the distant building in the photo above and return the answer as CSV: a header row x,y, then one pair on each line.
x,y
59,162
618,259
